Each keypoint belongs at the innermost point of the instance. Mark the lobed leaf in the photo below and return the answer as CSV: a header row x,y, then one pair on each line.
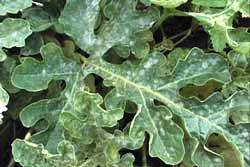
x,y
38,18
14,32
52,117
13,6
80,120
6,69
115,92
219,25
129,85
37,77
32,44
123,19
42,158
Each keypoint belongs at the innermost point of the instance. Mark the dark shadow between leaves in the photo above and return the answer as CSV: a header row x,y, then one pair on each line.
x,y
202,91
219,145
142,156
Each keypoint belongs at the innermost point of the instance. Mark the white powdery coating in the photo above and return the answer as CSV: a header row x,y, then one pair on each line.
x,y
2,109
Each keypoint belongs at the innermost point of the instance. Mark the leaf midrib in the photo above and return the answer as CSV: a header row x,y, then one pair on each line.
x,y
156,130
155,94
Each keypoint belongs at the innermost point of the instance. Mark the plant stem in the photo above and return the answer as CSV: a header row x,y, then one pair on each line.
x,y
167,13
28,134
184,38
188,33
179,34
160,21
144,156
145,151
11,163
4,129
173,37
162,32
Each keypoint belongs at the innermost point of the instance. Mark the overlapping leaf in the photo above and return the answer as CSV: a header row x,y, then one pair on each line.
x,y
36,154
213,117
79,121
38,18
220,25
6,69
244,8
33,75
145,82
240,70
138,45
72,127
14,32
13,6
65,111
32,44
104,151
123,18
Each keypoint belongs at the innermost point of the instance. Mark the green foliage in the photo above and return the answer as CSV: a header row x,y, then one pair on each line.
x,y
2,55
219,25
13,6
211,3
122,17
14,32
168,3
72,73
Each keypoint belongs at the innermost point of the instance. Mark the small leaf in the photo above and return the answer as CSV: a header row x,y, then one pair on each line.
x,y
28,154
219,25
6,69
244,8
38,18
138,45
14,32
79,120
33,44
